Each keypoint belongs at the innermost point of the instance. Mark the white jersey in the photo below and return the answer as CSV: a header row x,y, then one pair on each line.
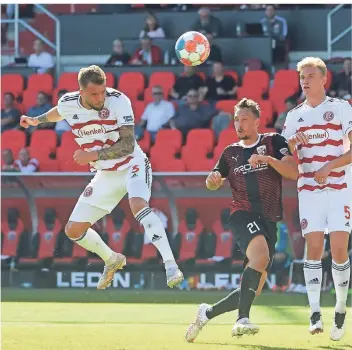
x,y
95,130
327,127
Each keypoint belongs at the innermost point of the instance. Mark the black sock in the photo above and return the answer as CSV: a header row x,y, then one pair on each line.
x,y
229,303
249,286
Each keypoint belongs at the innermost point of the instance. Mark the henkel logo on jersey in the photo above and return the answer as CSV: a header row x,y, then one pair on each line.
x,y
91,130
316,136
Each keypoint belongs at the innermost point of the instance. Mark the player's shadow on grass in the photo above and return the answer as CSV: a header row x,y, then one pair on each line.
x,y
344,346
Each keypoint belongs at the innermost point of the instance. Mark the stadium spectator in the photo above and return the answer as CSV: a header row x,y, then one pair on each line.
x,y
26,164
193,114
187,81
276,27
147,53
155,115
219,86
8,161
61,126
10,116
152,28
40,60
119,56
207,23
342,82
41,107
215,51
282,257
280,121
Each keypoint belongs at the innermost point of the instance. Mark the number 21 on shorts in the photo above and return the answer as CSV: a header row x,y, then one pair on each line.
x,y
253,227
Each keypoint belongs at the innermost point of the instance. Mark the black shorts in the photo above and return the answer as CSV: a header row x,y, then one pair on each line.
x,y
246,225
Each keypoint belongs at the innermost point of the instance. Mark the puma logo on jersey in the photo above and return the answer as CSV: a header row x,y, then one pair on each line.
x,y
91,130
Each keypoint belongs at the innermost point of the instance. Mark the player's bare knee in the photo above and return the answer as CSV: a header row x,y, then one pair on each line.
x,y
137,204
75,230
339,254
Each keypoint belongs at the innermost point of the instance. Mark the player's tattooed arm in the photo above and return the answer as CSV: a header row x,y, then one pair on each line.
x,y
43,118
122,148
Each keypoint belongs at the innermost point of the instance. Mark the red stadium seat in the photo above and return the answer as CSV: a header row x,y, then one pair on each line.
x,y
168,164
68,81
232,74
149,252
12,83
14,140
66,162
117,237
169,138
132,84
29,99
199,164
48,165
224,240
227,137
278,97
256,79
165,79
138,109
227,106
189,240
45,140
110,80
201,139
252,92
266,111
40,82
286,79
224,243
47,239
329,80
11,238
68,141
145,142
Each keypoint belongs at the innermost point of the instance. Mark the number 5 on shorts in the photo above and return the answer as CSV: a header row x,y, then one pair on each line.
x,y
253,227
347,212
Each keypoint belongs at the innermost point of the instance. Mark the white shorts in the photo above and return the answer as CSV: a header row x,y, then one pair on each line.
x,y
107,188
327,210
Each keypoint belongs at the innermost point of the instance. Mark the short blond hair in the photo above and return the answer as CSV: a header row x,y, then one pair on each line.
x,y
247,103
92,74
312,62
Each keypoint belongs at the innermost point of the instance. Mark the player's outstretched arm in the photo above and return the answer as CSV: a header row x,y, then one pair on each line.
x,y
122,148
52,116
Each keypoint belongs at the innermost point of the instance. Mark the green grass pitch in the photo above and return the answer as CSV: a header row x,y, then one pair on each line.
x,y
131,320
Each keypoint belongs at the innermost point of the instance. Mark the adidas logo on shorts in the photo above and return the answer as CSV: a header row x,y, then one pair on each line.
x,y
314,281
300,120
347,224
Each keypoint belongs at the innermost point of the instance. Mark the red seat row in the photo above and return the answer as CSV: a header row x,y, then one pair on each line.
x,y
255,84
47,241
200,143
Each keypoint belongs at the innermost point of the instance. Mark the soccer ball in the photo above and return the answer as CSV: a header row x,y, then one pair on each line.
x,y
192,48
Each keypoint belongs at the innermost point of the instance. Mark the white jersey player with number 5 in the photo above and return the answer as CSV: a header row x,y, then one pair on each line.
x,y
320,129
102,122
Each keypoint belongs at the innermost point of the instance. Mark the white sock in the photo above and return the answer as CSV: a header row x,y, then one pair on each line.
x,y
313,277
341,274
156,233
93,242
